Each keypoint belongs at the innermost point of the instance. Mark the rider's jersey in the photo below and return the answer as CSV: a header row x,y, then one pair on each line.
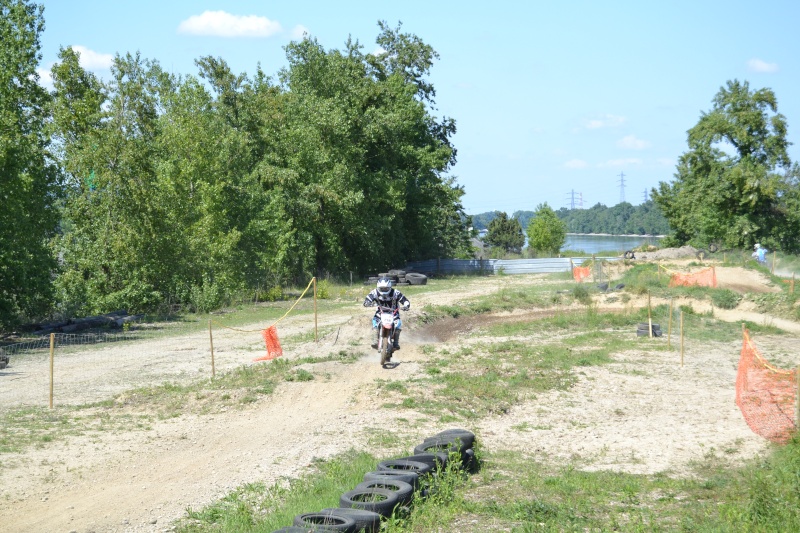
x,y
394,297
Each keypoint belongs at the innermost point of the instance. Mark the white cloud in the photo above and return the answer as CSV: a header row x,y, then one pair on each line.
x,y
45,78
630,142
759,65
605,121
379,51
620,162
299,31
576,163
91,60
222,24
665,162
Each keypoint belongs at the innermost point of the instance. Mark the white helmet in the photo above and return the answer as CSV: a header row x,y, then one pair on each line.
x,y
384,288
757,246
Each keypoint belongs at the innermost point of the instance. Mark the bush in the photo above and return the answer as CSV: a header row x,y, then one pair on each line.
x,y
581,293
725,298
323,289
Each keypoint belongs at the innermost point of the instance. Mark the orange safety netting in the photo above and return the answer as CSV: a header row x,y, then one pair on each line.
x,y
766,395
273,345
704,278
579,273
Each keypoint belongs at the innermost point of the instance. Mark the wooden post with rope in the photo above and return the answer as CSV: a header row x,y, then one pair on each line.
x,y
669,325
52,358
314,279
594,266
681,339
211,342
649,317
797,397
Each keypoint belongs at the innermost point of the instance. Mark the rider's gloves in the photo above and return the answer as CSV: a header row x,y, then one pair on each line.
x,y
406,306
367,303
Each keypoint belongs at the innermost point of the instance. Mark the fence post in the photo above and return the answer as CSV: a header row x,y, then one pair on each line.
x,y
797,397
669,325
774,257
649,317
52,357
211,341
681,339
314,279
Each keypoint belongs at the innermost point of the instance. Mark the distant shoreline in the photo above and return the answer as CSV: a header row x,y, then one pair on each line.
x,y
616,235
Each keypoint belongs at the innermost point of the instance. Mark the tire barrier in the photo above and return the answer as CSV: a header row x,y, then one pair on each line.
x,y
330,522
393,485
713,248
643,330
629,255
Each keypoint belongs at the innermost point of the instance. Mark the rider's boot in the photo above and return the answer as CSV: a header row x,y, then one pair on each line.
x,y
377,338
396,340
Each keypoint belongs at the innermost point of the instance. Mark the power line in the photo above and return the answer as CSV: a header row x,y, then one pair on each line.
x,y
621,187
646,195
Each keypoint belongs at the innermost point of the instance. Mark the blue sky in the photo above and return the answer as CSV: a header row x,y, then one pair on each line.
x,y
551,99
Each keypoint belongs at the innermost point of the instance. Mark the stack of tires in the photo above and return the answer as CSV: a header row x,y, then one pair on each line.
x,y
643,330
400,278
392,486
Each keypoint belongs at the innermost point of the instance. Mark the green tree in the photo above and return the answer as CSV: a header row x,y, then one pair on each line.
x,y
546,233
733,184
505,234
29,181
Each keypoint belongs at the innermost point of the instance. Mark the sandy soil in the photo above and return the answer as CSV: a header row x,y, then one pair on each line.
x,y
644,413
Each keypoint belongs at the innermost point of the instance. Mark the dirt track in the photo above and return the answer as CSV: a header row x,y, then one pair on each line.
x,y
643,414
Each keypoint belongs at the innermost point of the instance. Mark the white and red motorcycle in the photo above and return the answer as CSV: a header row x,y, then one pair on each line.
x,y
389,317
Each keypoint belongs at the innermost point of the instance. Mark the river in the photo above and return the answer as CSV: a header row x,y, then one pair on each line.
x,y
611,244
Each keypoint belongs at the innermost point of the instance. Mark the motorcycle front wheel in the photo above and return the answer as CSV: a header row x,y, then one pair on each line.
x,y
386,346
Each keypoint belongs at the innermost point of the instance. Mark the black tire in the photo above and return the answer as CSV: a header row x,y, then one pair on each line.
x,y
644,326
405,465
436,460
405,491
603,287
402,284
326,521
443,445
619,286
701,254
713,248
415,278
366,521
300,529
386,346
645,333
398,273
629,255
408,476
379,501
465,436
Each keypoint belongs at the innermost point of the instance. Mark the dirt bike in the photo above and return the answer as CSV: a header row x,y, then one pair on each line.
x,y
388,318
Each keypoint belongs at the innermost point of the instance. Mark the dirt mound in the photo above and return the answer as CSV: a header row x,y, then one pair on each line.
x,y
668,253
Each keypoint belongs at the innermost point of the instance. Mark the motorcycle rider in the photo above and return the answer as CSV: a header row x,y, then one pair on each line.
x,y
387,296
760,254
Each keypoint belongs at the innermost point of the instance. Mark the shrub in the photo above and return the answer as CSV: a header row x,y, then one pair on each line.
x,y
725,298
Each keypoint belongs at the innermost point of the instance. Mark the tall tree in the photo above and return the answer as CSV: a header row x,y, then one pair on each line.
x,y
29,181
546,233
733,183
505,233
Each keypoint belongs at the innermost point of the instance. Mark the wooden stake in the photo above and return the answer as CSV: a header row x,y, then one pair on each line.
x,y
774,257
681,339
52,358
669,325
315,308
649,317
211,341
797,397
791,287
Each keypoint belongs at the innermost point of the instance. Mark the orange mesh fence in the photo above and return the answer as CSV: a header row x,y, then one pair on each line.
x,y
580,273
273,344
704,278
765,394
